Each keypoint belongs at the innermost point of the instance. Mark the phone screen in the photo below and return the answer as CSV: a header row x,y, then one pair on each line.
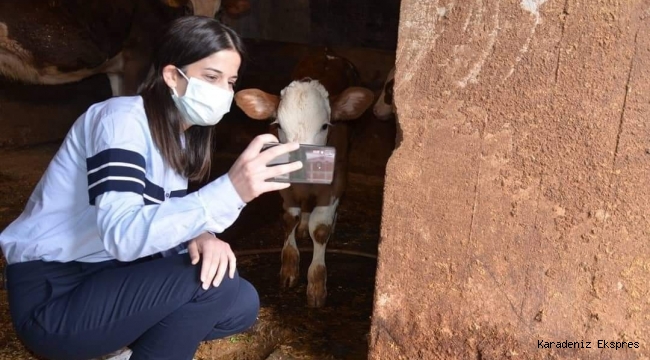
x,y
317,164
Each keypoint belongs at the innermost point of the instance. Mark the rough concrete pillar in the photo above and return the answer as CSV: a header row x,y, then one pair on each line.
x,y
517,205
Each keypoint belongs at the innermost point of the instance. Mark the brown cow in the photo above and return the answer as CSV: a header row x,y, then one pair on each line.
x,y
385,106
63,41
312,109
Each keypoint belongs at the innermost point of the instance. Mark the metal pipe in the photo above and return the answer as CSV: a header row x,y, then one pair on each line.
x,y
305,249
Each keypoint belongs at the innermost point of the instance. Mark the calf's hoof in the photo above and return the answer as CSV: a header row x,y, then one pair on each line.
x,y
316,295
288,277
290,267
316,286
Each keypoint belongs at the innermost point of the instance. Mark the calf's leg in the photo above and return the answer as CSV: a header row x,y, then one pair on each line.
x,y
290,255
302,232
321,227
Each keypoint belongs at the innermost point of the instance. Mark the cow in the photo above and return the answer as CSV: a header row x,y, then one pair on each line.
x,y
385,106
62,41
314,108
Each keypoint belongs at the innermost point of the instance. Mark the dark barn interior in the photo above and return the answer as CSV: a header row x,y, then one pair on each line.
x,y
34,119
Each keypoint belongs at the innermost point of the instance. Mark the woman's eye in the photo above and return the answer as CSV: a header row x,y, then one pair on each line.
x,y
211,78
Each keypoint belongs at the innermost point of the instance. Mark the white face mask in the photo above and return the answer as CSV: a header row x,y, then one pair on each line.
x,y
203,104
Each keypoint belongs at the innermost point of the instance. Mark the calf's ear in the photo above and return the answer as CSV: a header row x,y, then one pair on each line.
x,y
352,102
257,104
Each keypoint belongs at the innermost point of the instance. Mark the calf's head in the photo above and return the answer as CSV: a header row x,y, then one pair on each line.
x,y
385,106
304,110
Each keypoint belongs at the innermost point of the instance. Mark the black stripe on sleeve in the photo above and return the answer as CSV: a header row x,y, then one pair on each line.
x,y
178,193
115,155
154,191
114,185
115,170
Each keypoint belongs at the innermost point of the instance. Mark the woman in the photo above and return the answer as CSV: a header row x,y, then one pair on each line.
x,y
110,252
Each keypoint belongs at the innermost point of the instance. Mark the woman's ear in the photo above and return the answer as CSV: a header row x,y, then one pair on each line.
x,y
170,75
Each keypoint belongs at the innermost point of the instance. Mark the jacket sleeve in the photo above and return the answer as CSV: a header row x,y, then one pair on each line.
x,y
129,229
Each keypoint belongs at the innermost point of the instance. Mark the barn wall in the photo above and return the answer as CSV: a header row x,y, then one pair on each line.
x,y
34,114
517,204
359,23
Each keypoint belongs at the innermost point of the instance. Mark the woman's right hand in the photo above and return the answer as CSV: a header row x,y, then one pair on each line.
x,y
249,172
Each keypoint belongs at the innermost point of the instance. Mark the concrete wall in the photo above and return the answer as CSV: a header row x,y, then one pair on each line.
x,y
517,204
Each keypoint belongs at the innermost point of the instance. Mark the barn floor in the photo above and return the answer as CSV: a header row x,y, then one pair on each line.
x,y
286,329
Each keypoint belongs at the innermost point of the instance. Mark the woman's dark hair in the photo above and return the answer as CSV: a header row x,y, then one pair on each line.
x,y
187,40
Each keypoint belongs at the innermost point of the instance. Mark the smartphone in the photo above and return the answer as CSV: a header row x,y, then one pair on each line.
x,y
317,164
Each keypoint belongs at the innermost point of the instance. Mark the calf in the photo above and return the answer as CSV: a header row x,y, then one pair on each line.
x,y
63,41
385,107
312,109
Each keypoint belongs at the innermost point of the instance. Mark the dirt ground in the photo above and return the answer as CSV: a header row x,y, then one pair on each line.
x,y
286,329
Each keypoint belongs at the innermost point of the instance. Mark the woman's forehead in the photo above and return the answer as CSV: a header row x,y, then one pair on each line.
x,y
226,62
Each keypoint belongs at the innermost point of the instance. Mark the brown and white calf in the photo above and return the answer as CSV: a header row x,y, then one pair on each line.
x,y
385,106
63,41
312,109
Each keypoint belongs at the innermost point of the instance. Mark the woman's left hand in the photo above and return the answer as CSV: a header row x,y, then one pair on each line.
x,y
217,257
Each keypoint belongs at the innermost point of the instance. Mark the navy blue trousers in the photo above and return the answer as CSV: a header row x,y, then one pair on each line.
x,y
156,307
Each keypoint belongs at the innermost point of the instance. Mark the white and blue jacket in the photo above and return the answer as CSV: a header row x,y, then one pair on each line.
x,y
108,194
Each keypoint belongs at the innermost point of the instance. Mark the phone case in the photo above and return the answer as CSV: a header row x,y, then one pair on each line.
x,y
318,164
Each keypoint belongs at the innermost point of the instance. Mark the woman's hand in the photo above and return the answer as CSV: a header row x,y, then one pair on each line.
x,y
217,256
249,173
